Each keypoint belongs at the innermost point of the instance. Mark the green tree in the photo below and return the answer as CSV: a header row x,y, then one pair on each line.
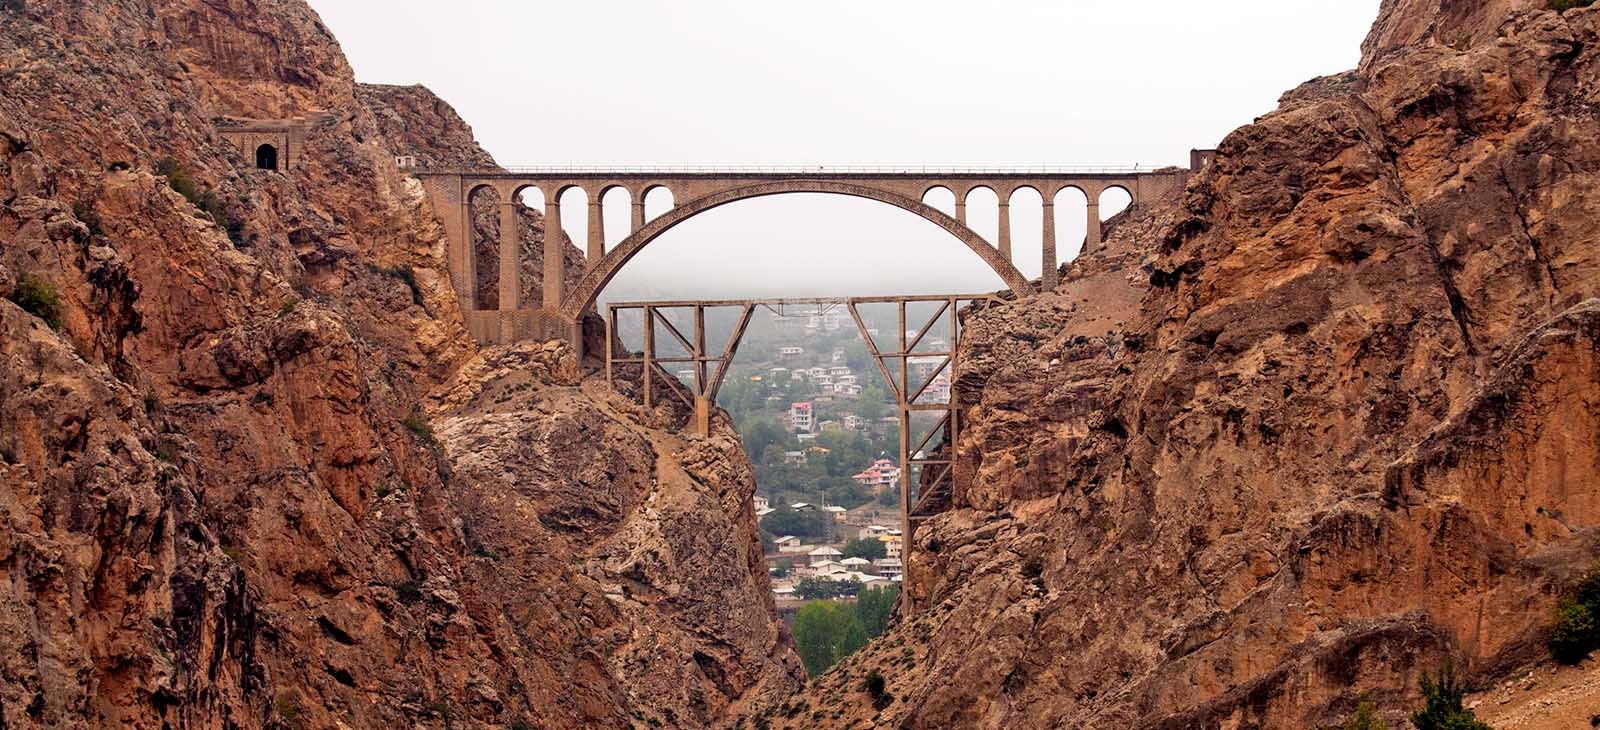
x,y
1443,707
817,589
873,608
785,521
1575,626
868,548
1366,717
824,633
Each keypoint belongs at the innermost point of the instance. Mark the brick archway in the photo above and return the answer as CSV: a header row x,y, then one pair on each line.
x,y
600,273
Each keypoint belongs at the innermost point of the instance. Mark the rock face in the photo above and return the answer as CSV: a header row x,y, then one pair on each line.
x,y
1348,431
222,503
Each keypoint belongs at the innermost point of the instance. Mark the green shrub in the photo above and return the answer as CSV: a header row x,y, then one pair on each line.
x,y
206,201
1366,717
874,686
406,275
416,425
39,298
1565,5
1443,707
287,709
1575,626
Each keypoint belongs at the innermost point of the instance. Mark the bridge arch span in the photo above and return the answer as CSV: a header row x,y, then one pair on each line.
x,y
601,273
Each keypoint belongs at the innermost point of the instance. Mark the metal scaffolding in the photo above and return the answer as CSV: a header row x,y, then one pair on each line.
x,y
927,464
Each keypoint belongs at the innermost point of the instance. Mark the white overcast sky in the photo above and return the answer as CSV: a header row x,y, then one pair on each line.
x,y
846,82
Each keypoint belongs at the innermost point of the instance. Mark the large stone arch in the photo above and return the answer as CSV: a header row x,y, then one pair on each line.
x,y
601,273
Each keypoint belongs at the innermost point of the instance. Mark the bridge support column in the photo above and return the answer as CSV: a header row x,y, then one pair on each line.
x,y
597,232
510,254
1005,230
638,214
1047,268
554,260
1091,239
961,211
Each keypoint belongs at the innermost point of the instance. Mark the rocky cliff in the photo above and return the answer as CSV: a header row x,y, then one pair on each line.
x,y
242,486
1325,423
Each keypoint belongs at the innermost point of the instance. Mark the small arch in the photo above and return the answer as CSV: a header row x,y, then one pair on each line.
x,y
616,210
1026,208
940,198
483,211
658,201
574,202
1072,222
266,157
1113,200
983,212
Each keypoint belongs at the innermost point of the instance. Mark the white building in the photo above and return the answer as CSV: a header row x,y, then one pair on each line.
x,y
801,418
760,502
823,554
791,351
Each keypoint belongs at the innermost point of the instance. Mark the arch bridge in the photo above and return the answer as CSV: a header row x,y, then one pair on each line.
x,y
697,190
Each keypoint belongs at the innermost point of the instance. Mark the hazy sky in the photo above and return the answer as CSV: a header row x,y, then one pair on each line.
x,y
877,82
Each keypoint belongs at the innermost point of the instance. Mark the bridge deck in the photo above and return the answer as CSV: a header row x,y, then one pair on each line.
x,y
816,172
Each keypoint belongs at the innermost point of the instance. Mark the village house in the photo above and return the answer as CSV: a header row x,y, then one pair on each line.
x,y
760,502
791,351
854,422
872,532
800,417
838,370
817,372
888,566
839,513
882,473
823,554
794,457
788,544
855,563
838,355
803,507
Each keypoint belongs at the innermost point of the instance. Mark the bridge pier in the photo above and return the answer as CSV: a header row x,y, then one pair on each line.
x,y
597,231
1005,230
510,253
1048,274
555,258
1092,239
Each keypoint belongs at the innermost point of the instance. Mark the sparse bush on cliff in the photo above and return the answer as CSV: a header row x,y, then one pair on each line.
x,y
1366,717
1563,5
206,200
874,685
1443,708
1575,628
39,298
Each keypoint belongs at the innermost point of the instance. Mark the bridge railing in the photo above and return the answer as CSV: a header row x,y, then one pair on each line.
x,y
924,170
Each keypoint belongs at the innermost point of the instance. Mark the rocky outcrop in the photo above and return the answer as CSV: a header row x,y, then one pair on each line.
x,y
223,502
1346,433
635,548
